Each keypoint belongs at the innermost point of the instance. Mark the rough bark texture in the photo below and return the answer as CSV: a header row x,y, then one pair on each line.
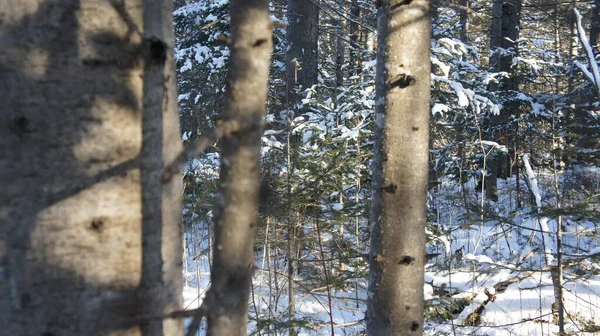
x,y
400,169
251,44
301,57
89,237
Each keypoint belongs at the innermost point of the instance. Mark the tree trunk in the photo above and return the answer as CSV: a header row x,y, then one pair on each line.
x,y
495,36
464,20
491,180
339,51
235,223
301,57
504,34
503,44
90,238
595,26
302,72
511,20
355,49
400,169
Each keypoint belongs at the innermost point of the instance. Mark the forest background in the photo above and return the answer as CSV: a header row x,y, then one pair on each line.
x,y
513,171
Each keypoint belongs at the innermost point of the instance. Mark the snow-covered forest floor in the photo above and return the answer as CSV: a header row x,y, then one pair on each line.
x,y
483,277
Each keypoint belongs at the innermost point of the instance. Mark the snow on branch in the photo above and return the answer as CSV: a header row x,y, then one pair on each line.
x,y
593,74
543,221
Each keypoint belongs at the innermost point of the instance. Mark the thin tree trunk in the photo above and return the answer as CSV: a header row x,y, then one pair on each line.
x,y
464,20
355,47
595,26
291,242
235,223
340,50
400,171
572,42
90,237
302,67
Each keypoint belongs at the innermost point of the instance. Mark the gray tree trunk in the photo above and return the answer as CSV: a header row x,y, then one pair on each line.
x,y
495,35
302,73
90,237
302,54
506,18
235,223
504,34
400,169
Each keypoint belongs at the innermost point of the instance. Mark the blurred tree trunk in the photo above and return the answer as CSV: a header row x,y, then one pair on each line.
x,y
340,50
90,237
235,223
355,48
400,171
464,20
434,8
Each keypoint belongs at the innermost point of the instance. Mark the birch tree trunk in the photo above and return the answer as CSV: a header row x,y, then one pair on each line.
x,y
89,234
400,170
233,265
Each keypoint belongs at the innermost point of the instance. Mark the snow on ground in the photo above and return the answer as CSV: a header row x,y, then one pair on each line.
x,y
501,267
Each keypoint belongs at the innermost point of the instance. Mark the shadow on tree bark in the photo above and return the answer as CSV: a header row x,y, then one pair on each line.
x,y
79,254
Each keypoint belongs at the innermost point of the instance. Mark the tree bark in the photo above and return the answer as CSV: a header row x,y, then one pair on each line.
x,y
90,238
302,73
495,34
504,35
504,48
235,224
400,169
302,54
